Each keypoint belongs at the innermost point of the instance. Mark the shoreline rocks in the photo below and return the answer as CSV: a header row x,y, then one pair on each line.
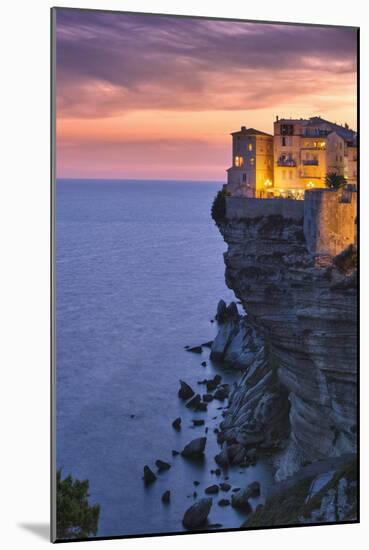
x,y
197,514
195,448
149,476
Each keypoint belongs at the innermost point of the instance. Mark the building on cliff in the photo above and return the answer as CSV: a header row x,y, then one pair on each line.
x,y
251,173
298,157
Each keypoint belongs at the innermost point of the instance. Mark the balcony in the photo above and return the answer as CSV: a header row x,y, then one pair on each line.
x,y
286,161
310,162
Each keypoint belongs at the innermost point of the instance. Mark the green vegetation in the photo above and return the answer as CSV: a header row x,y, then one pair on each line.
x,y
335,181
218,209
75,518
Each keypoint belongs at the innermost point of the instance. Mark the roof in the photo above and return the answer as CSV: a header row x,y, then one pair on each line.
x,y
250,132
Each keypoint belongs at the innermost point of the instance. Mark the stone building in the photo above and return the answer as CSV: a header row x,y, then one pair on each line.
x,y
306,150
251,173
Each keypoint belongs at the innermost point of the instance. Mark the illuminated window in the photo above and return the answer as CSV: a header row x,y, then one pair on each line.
x,y
238,161
250,147
252,161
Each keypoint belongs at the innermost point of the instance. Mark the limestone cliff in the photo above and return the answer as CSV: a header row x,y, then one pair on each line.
x,y
301,383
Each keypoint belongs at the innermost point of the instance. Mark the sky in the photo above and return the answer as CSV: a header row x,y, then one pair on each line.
x,y
156,97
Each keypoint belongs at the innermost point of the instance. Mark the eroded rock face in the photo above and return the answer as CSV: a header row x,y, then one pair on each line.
x,y
303,309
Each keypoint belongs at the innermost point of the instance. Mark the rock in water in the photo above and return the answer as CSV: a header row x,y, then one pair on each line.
x,y
161,465
221,311
253,489
212,490
177,424
148,476
198,422
194,402
240,500
225,486
224,502
195,448
165,497
197,514
185,391
195,349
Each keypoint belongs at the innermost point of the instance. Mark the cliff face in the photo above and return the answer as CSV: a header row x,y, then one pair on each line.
x,y
302,384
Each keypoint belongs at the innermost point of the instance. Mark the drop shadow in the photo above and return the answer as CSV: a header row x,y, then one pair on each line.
x,y
42,530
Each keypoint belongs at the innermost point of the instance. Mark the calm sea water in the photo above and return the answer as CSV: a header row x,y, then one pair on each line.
x,y
139,272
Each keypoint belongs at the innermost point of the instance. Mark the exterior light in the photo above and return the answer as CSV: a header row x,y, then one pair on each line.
x,y
310,184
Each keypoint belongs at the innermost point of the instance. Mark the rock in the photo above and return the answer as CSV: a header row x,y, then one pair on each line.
x,y
224,502
217,471
198,422
235,489
253,489
196,483
195,349
194,402
221,394
240,500
215,525
202,407
206,430
177,424
222,458
194,494
207,344
148,476
185,391
162,466
197,514
203,364
132,415
207,397
212,490
165,497
195,448
225,486
175,453
221,311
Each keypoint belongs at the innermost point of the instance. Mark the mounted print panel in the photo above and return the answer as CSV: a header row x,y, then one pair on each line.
x,y
205,184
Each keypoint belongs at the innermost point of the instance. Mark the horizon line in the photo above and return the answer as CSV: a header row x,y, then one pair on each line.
x,y
139,179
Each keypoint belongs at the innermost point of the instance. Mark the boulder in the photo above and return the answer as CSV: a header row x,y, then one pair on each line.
x,y
222,458
198,422
212,490
162,466
225,486
203,364
195,448
195,349
221,394
197,514
175,453
207,344
177,424
253,489
224,502
240,500
202,407
185,391
194,402
207,397
148,476
221,313
165,497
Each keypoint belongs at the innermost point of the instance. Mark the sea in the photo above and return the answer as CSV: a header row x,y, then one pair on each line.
x,y
139,273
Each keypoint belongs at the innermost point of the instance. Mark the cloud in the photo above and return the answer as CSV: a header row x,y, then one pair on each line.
x,y
111,63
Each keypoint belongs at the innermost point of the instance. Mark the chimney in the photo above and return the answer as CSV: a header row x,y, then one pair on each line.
x,y
277,118
243,128
346,126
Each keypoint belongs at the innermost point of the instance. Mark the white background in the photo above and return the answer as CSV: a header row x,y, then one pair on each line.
x,y
24,252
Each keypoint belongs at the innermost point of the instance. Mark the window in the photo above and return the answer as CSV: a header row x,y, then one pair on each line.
x,y
287,129
238,161
284,142
249,146
244,178
252,161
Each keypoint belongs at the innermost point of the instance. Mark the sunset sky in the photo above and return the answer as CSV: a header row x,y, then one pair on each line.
x,y
156,97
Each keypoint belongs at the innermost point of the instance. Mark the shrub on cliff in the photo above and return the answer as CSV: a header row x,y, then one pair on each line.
x,y
335,181
75,518
218,209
